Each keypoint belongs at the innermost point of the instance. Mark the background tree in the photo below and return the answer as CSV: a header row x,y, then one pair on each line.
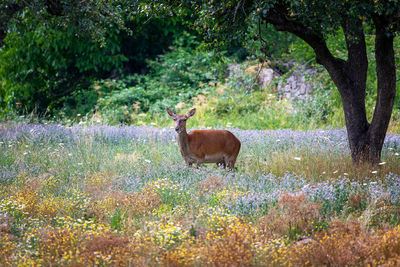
x,y
313,21
50,47
51,51
88,17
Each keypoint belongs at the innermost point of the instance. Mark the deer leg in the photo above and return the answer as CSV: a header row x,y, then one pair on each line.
x,y
200,162
221,163
231,165
189,163
231,162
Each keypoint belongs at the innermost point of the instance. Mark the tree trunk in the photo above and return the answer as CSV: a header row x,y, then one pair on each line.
x,y
350,76
386,89
366,140
356,122
351,81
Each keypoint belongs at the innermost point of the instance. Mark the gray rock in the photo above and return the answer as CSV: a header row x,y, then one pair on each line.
x,y
294,86
266,77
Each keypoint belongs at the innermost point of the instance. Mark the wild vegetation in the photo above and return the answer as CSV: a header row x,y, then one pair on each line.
x,y
106,195
90,169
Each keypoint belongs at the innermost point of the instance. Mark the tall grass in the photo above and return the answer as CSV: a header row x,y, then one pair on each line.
x,y
105,195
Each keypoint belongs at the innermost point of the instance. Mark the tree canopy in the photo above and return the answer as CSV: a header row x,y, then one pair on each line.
x,y
88,17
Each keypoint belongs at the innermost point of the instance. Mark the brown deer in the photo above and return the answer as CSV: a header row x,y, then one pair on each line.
x,y
205,146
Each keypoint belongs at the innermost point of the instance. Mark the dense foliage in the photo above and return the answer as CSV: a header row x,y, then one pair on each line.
x,y
44,65
49,59
173,78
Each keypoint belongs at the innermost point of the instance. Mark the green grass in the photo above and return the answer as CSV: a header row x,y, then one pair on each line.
x,y
99,196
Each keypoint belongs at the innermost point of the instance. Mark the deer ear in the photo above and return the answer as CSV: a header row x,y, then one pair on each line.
x,y
191,113
171,113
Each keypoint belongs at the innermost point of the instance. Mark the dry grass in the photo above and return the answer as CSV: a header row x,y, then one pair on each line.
x,y
230,245
322,166
293,216
344,244
141,206
348,244
210,184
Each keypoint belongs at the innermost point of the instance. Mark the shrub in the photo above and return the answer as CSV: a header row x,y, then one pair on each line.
x,y
173,78
344,244
45,64
294,215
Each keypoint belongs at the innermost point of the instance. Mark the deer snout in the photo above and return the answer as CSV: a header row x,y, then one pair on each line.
x,y
177,128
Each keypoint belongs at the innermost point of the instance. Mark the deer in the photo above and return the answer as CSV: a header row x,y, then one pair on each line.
x,y
205,146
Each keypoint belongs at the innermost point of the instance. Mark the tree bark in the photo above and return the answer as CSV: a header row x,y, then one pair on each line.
x,y
350,76
352,87
366,140
386,90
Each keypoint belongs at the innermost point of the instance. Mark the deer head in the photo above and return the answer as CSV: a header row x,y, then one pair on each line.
x,y
180,119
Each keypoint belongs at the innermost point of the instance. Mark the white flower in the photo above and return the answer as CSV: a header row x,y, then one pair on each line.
x,y
297,158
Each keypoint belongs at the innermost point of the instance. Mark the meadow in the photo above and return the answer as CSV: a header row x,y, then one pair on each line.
x,y
122,196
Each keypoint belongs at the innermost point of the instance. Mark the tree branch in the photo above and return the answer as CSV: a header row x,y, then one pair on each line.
x,y
355,42
280,20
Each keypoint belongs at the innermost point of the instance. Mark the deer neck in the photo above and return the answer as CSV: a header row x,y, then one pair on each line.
x,y
183,142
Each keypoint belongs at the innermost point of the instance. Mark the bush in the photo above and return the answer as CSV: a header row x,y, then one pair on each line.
x,y
175,77
44,64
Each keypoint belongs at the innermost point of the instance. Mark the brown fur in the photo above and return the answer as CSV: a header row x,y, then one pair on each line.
x,y
205,146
